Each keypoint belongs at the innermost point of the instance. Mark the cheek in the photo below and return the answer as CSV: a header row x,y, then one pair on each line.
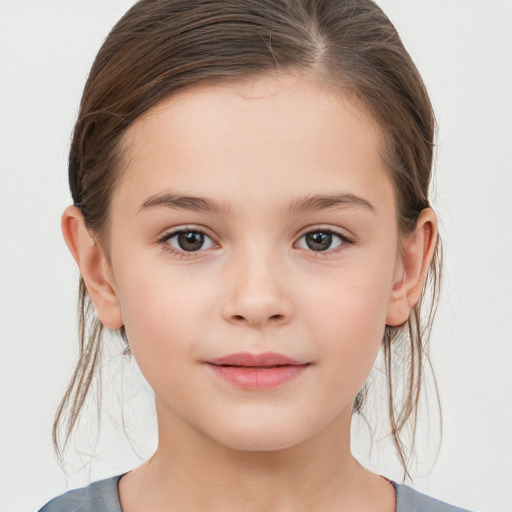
x,y
354,299
349,318
164,315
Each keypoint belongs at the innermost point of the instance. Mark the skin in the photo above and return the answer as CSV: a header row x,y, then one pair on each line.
x,y
254,286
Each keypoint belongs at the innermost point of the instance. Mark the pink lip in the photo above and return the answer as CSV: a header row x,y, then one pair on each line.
x,y
257,371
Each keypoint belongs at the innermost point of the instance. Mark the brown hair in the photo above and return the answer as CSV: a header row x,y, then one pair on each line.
x,y
161,47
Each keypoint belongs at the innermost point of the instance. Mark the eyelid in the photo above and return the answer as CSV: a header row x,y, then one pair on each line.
x,y
345,239
343,233
173,232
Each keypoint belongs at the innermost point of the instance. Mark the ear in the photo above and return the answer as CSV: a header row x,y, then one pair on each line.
x,y
414,260
94,267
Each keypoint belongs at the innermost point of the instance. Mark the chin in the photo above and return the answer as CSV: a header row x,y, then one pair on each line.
x,y
260,443
261,436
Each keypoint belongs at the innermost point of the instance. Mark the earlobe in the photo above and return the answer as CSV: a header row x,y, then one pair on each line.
x,y
94,267
416,255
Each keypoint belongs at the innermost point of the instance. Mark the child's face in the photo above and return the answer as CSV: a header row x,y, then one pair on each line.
x,y
281,159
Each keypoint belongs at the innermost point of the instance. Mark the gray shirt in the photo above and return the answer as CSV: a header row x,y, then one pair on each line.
x,y
102,496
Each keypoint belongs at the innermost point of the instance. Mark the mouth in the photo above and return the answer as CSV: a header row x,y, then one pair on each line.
x,y
257,371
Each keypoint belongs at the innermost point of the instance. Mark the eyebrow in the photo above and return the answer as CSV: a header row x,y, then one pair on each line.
x,y
301,205
183,202
324,202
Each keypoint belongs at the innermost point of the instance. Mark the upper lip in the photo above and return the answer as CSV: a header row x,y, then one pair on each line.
x,y
264,359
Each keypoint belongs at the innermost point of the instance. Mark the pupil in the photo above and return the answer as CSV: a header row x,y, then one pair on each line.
x,y
190,241
318,241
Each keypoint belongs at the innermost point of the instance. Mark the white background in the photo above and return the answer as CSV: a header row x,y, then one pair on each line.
x,y
463,49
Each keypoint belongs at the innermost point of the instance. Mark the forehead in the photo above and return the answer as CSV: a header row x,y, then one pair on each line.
x,y
252,98
285,135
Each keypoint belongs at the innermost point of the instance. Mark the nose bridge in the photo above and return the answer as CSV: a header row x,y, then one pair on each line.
x,y
257,292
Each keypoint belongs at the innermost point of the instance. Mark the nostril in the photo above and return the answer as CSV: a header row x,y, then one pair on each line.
x,y
274,318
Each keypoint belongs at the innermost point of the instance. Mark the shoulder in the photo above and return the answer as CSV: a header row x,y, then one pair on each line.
x,y
409,500
100,496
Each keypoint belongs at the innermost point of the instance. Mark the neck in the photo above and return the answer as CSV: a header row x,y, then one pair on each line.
x,y
192,472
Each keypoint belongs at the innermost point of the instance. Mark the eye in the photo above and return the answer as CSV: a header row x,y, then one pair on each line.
x,y
187,240
322,240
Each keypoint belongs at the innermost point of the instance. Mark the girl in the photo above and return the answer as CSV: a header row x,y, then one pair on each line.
x,y
251,215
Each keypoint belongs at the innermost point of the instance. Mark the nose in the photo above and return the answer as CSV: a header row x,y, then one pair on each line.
x,y
257,293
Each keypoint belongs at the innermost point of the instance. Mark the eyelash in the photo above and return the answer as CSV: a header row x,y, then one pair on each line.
x,y
343,241
181,253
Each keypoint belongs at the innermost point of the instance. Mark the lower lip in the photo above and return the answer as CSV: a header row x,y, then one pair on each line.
x,y
252,378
